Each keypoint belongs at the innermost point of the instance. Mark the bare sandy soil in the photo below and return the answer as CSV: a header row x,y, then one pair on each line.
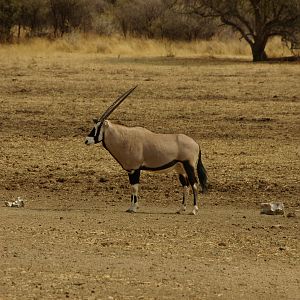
x,y
73,239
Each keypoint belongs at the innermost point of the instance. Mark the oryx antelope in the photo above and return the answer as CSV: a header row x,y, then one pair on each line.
x,y
137,149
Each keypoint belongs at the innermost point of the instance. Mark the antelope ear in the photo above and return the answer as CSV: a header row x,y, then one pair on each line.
x,y
95,120
105,123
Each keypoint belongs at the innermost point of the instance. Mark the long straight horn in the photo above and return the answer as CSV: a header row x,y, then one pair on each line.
x,y
116,103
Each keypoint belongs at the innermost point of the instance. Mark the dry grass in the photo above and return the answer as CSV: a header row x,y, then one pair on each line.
x,y
133,47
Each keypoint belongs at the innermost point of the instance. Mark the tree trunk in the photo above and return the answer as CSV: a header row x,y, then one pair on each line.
x,y
258,51
19,32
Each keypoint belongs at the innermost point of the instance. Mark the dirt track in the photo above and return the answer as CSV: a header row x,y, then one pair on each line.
x,y
73,238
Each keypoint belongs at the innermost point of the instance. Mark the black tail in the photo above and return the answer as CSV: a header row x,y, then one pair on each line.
x,y
202,174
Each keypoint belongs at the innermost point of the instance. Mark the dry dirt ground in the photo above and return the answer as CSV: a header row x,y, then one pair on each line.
x,y
73,239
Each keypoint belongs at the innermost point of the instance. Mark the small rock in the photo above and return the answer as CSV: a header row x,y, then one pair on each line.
x,y
17,203
103,179
277,226
222,244
272,208
291,215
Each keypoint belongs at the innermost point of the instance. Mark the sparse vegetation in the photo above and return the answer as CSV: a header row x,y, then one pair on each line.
x,y
257,21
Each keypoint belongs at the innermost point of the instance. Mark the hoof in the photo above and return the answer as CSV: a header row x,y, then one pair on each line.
x,y
181,210
129,210
194,211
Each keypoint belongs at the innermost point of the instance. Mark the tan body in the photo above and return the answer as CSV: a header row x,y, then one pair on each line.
x,y
137,147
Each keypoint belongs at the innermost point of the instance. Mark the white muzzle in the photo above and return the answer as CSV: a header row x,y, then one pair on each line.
x,y
89,140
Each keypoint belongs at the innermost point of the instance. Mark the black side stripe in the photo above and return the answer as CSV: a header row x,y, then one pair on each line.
x,y
166,166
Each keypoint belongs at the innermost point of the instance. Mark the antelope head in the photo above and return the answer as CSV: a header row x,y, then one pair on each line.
x,y
96,134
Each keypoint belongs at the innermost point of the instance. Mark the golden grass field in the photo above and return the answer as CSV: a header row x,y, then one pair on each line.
x,y
116,46
73,238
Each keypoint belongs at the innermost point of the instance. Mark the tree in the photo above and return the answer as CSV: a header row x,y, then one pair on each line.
x,y
63,15
256,20
67,15
32,16
160,19
176,25
138,16
8,14
96,16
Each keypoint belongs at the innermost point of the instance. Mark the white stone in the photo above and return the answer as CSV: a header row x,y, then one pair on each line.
x,y
272,208
17,203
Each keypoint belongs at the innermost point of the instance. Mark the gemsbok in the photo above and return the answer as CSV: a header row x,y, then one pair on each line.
x,y
137,149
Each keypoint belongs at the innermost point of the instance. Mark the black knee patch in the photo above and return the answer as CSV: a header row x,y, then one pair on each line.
x,y
183,180
190,171
134,198
134,177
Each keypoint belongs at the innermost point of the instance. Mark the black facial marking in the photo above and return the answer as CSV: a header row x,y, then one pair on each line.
x,y
96,137
92,133
95,133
